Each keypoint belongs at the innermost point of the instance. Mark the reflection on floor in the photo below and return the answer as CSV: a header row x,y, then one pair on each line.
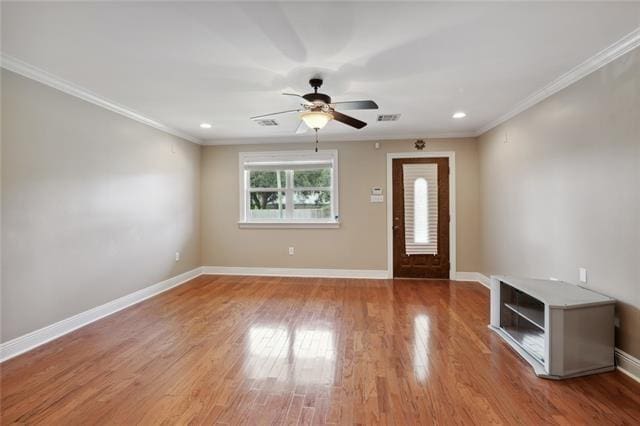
x,y
251,350
420,344
301,355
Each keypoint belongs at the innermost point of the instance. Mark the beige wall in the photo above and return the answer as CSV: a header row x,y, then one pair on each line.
x,y
94,205
564,191
361,240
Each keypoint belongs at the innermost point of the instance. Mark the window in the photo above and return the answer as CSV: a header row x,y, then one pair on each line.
x,y
420,234
295,188
420,183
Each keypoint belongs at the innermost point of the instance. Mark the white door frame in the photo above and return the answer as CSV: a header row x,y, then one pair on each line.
x,y
452,204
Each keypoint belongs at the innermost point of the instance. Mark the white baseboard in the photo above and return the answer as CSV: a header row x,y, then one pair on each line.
x,y
628,364
39,337
473,276
377,274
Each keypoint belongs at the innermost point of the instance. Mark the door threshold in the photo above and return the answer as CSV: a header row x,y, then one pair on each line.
x,y
421,279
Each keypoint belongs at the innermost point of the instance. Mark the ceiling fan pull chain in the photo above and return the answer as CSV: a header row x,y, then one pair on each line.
x,y
316,140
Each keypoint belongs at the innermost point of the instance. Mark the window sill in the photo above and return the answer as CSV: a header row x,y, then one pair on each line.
x,y
289,225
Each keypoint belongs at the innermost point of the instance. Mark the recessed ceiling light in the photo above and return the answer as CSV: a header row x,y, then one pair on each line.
x,y
460,114
205,125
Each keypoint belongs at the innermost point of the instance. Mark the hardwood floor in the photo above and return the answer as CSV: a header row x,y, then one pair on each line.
x,y
248,350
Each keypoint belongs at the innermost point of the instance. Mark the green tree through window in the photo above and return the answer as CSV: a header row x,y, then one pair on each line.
x,y
320,178
263,200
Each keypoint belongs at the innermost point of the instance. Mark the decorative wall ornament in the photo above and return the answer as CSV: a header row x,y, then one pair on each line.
x,y
420,144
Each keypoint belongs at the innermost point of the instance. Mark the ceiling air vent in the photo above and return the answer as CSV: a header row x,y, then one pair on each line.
x,y
267,122
388,117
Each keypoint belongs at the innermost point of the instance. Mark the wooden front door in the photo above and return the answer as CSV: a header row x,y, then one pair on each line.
x,y
420,246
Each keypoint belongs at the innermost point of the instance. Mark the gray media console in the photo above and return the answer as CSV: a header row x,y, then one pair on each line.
x,y
561,329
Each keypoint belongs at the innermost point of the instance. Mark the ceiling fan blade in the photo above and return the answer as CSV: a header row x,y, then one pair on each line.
x,y
349,121
274,113
356,105
299,96
302,128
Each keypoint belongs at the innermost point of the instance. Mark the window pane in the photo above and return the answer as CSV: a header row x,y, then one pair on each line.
x,y
266,179
312,205
266,205
320,178
420,234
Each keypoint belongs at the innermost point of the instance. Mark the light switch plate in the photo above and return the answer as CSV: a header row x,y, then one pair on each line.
x,y
583,275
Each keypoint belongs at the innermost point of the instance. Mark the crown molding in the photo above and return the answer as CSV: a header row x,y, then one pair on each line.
x,y
597,61
335,138
625,45
27,70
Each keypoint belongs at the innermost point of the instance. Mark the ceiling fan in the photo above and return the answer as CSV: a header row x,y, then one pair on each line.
x,y
317,110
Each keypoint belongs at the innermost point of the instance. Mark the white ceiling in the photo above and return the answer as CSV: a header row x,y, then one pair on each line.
x,y
185,63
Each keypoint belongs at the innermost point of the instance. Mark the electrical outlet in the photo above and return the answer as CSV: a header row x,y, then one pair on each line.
x,y
292,251
177,256
583,275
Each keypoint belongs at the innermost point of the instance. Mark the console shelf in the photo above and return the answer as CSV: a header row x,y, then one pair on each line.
x,y
561,329
534,316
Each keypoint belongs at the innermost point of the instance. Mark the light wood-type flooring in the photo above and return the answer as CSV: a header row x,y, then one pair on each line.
x,y
267,350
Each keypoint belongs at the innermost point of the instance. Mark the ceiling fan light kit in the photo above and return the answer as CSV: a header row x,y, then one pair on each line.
x,y
316,119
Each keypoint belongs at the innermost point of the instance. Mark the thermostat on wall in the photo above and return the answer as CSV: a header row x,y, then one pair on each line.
x,y
376,190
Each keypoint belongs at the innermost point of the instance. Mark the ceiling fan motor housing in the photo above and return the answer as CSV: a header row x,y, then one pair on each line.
x,y
317,97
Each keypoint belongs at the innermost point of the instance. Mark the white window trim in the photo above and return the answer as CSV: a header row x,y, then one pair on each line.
x,y
330,155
